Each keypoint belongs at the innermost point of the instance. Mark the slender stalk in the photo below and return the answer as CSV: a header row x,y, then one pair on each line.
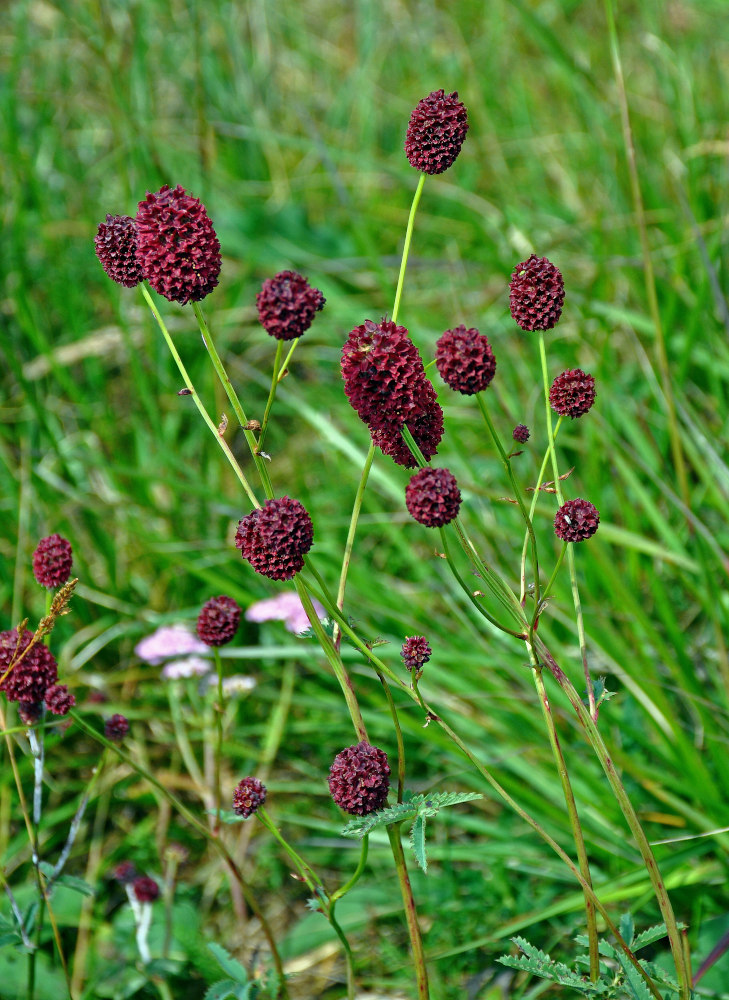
x,y
357,874
551,580
306,871
218,737
406,247
76,822
532,508
196,399
411,916
398,737
16,913
351,533
272,391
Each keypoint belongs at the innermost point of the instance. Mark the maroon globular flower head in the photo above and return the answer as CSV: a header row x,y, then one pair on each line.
x,y
218,621
145,889
536,294
125,872
359,779
572,393
30,711
521,433
576,521
116,728
432,497
177,248
465,360
52,561
415,652
248,797
116,248
32,675
436,130
275,538
287,304
59,699
426,427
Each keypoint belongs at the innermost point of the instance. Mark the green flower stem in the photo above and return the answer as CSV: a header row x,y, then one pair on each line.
x,y
272,392
547,589
196,399
351,533
492,580
215,842
574,818
481,400
186,751
287,360
348,957
306,871
570,548
357,874
335,661
411,916
398,736
76,823
532,508
596,741
219,708
406,247
233,397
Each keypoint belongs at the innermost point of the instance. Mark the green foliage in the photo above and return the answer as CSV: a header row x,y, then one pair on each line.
x,y
236,985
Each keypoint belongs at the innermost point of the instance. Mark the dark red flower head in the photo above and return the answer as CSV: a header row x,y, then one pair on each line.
x,y
521,433
52,561
436,130
536,294
432,497
218,621
576,521
359,779
415,652
116,728
59,699
248,797
125,872
465,360
145,889
287,304
275,538
177,248
116,248
30,711
32,675
572,393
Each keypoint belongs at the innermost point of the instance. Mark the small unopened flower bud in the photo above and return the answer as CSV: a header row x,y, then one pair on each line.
x,y
415,652
116,728
521,433
248,797
59,699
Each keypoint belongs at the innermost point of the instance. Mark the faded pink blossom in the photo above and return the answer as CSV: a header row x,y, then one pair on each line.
x,y
187,666
168,641
285,607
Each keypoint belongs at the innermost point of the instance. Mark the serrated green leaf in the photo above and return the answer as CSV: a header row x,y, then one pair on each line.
x,y
633,984
361,825
77,884
222,990
10,937
429,805
417,842
627,928
46,867
603,947
649,935
228,964
659,975
555,972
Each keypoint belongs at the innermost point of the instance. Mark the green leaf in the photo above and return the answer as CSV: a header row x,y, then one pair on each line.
x,y
539,963
627,928
429,805
228,964
649,935
634,985
77,884
221,990
417,842
227,816
362,825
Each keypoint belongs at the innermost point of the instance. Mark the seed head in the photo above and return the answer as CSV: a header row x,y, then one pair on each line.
x,y
436,130
572,393
465,360
576,521
248,797
59,699
415,652
521,433
218,621
145,889
31,677
359,779
287,304
116,248
275,538
52,561
536,294
432,497
116,728
177,249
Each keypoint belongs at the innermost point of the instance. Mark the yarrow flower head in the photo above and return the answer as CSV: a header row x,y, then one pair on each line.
x,y
415,653
59,699
287,304
465,360
536,294
177,248
436,130
521,433
52,561
116,248
248,797
145,889
168,641
218,621
385,381
359,779
32,675
285,607
276,537
432,497
576,520
572,393
116,728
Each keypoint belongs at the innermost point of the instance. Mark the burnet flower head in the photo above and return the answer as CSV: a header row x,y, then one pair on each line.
x,y
52,561
436,131
536,294
34,669
433,498
276,537
359,779
576,520
116,248
287,304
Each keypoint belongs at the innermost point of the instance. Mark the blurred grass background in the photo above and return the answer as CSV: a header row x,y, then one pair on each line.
x,y
288,121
